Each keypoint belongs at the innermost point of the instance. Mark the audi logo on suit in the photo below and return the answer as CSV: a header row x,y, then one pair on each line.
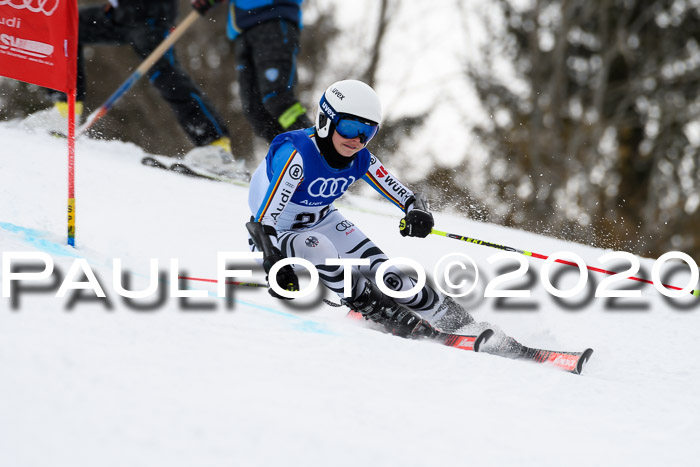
x,y
329,187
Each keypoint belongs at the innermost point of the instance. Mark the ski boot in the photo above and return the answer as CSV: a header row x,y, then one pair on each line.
x,y
215,158
53,120
456,320
453,316
396,319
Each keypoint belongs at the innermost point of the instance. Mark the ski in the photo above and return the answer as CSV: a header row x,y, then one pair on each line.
x,y
465,342
572,362
179,166
458,341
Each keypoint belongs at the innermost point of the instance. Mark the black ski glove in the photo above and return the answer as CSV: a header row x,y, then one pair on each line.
x,y
286,277
202,6
418,221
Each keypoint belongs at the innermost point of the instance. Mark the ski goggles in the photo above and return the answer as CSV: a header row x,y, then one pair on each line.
x,y
349,129
349,126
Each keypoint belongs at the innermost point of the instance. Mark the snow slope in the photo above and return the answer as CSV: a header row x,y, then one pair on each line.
x,y
87,382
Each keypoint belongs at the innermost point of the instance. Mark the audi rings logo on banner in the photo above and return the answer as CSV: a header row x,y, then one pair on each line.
x,y
343,226
329,187
47,7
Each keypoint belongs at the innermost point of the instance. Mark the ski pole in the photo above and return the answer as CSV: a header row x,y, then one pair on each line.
x,y
140,71
476,241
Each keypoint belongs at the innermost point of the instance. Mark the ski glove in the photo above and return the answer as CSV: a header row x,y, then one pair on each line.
x,y
286,277
202,6
418,221
262,238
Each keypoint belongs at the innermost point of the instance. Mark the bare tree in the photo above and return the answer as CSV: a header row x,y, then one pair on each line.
x,y
369,75
589,135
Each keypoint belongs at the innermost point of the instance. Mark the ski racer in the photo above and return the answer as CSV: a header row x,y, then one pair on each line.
x,y
291,198
143,25
266,35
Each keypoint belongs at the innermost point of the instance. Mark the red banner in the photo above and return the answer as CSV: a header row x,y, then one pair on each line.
x,y
39,42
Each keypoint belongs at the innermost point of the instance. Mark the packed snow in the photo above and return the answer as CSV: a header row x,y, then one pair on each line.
x,y
87,381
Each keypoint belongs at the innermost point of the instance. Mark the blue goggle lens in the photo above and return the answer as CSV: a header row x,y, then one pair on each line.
x,y
352,129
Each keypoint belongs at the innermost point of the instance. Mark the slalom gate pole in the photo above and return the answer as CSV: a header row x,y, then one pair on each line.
x,y
248,284
140,71
242,284
71,168
543,257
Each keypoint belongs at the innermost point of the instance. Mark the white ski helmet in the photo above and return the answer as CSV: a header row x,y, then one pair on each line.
x,y
350,107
